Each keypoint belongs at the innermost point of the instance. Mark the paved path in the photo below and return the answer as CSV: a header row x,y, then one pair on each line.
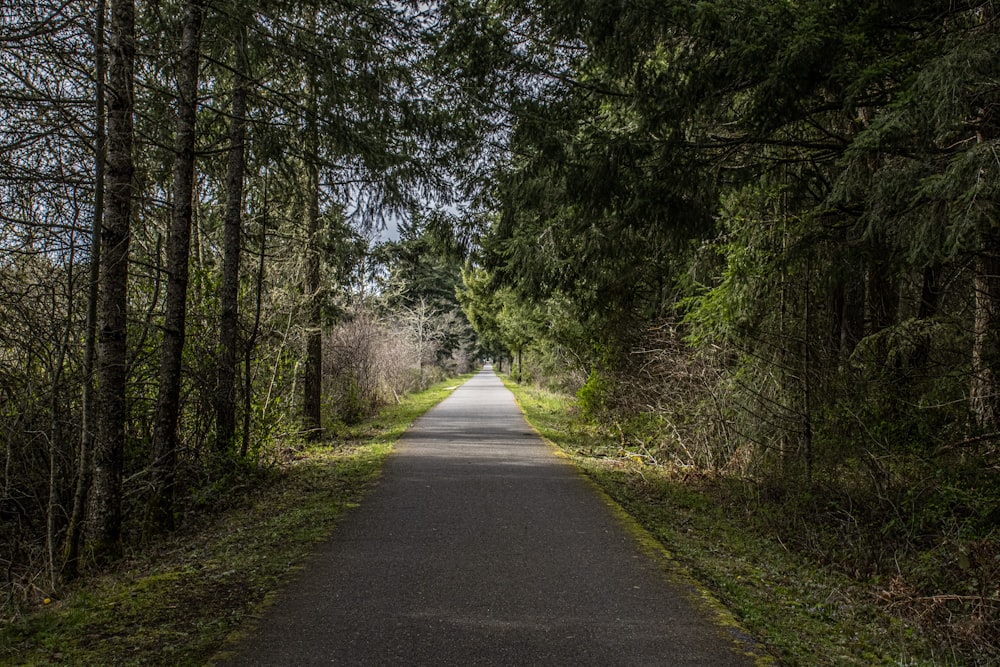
x,y
480,547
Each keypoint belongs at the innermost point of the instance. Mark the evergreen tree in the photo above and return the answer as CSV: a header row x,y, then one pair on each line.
x,y
164,451
109,450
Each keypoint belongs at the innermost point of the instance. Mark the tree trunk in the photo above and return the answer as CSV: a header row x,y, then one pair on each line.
x,y
312,399
807,372
984,395
71,549
984,398
255,330
930,293
56,456
930,303
160,511
847,308
882,296
225,407
314,344
882,299
109,449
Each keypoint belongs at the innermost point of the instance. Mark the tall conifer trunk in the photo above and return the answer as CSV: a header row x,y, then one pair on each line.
x,y
160,511
881,297
984,398
312,392
109,449
74,531
984,395
225,407
881,292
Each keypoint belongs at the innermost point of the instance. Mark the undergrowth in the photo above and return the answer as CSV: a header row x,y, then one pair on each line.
x,y
796,569
176,601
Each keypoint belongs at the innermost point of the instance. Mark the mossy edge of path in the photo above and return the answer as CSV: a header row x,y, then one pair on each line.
x,y
182,600
801,613
730,629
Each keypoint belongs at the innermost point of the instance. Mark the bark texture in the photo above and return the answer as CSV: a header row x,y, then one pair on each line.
x,y
225,407
160,513
105,506
312,399
984,399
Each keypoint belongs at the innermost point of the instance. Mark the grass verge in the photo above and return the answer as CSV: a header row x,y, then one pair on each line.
x,y
803,613
176,602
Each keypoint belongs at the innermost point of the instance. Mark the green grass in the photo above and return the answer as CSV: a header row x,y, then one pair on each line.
x,y
178,601
803,613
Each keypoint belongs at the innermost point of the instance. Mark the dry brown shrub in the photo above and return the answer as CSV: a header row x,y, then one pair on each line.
x,y
968,622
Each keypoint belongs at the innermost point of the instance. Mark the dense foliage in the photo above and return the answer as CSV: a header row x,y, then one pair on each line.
x,y
762,238
192,200
759,240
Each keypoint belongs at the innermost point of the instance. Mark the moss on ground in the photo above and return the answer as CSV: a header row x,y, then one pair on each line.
x,y
176,602
805,614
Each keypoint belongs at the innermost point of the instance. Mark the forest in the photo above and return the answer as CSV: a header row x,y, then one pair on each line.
x,y
195,263
757,241
760,241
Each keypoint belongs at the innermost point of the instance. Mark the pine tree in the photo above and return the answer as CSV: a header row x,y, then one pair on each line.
x,y
109,450
160,512
225,408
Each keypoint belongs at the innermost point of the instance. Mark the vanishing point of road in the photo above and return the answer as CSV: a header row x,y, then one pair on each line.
x,y
479,546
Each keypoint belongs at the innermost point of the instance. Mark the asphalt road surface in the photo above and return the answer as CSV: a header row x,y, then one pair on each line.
x,y
479,546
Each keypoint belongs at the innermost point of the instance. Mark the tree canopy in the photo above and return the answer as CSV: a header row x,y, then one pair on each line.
x,y
767,231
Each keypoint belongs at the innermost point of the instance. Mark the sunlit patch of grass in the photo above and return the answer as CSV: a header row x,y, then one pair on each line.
x,y
803,613
176,602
